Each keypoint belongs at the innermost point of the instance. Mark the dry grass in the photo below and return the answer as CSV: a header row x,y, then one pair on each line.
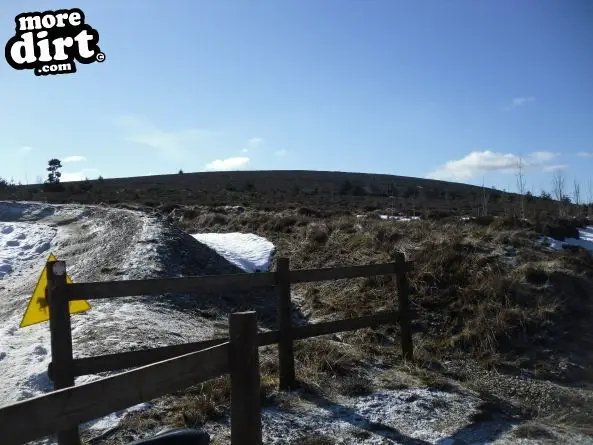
x,y
473,289
532,430
482,288
193,407
324,366
569,420
480,293
207,401
313,439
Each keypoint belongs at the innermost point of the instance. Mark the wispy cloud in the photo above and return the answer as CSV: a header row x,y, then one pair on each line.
x,y
69,159
477,163
171,143
228,164
90,173
26,148
539,157
520,101
584,154
281,153
253,142
554,168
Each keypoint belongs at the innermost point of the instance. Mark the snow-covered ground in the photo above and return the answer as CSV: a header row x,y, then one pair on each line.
x,y
250,252
414,416
439,417
102,244
20,243
585,240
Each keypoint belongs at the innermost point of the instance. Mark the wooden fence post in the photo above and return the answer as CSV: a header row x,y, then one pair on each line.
x,y
246,422
285,345
404,306
61,338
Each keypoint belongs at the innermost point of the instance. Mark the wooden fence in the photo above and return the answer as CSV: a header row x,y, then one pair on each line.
x,y
163,370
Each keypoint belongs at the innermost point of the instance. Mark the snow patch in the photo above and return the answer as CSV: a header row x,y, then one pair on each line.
x,y
21,243
25,360
248,251
585,240
113,419
394,217
400,218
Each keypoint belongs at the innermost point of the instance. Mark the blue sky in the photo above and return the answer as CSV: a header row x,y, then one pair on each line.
x,y
448,89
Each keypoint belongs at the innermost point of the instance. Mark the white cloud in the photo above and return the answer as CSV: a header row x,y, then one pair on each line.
x,y
244,150
520,101
584,154
91,173
68,159
554,168
255,142
171,144
228,164
281,153
26,148
477,163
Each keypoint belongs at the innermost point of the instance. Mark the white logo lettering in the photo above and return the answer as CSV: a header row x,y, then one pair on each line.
x,y
42,39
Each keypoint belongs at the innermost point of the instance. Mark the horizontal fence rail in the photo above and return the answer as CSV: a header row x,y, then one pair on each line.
x,y
132,359
67,408
352,324
204,284
337,273
210,283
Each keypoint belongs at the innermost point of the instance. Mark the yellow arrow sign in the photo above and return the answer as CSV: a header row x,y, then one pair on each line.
x,y
38,310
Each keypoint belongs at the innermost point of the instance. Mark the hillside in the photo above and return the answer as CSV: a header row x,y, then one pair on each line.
x,y
335,191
